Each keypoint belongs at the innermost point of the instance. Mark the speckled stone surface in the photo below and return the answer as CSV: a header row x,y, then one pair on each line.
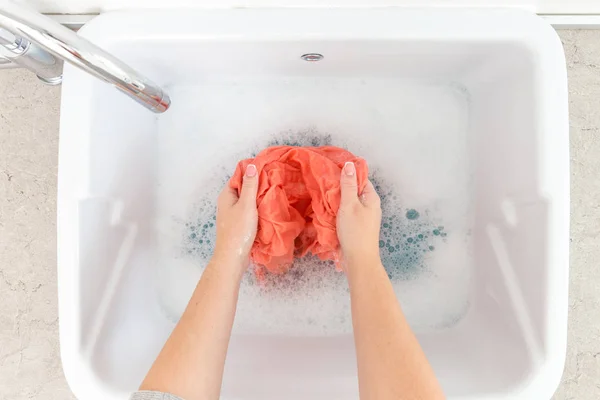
x,y
581,379
29,354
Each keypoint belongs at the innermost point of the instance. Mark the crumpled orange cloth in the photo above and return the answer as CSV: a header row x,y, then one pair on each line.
x,y
298,200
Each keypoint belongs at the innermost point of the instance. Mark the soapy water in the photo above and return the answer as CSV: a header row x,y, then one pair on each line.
x,y
424,244
279,304
404,241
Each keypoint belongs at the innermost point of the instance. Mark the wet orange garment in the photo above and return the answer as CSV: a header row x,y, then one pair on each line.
x,y
298,199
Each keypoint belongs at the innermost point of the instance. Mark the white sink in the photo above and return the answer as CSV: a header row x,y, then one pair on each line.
x,y
461,114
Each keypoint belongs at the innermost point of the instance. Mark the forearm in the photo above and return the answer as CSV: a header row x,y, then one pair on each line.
x,y
391,363
191,363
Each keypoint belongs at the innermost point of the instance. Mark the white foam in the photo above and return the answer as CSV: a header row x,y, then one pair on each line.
x,y
413,134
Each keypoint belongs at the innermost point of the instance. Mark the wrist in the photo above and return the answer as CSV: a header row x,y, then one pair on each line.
x,y
361,257
364,261
230,266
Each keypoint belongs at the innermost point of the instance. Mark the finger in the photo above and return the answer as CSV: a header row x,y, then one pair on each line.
x,y
250,185
228,196
348,185
369,196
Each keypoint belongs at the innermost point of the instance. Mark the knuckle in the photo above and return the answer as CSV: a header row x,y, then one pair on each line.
x,y
250,187
348,181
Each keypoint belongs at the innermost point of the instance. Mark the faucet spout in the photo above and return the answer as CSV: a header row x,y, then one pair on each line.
x,y
40,44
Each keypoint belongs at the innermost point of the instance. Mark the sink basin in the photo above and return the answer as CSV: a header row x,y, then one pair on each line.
x,y
462,116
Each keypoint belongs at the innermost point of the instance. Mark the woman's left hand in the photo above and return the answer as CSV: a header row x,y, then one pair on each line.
x,y
237,222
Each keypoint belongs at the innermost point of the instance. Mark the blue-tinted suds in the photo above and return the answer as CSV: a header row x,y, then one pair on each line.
x,y
407,234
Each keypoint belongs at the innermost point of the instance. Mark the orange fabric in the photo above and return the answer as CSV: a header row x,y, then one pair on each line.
x,y
298,199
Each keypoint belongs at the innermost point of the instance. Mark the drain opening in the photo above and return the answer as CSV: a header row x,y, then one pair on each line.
x,y
312,57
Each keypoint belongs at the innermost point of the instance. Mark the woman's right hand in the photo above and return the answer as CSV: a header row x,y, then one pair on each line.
x,y
358,220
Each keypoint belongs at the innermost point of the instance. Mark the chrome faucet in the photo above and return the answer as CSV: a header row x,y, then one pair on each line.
x,y
40,44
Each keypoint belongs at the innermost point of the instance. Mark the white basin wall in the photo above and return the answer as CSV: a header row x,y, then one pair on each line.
x,y
509,67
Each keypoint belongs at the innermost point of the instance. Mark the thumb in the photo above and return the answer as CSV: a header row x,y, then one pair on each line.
x,y
249,185
348,185
369,196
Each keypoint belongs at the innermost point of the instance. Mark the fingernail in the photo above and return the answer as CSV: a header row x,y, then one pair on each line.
x,y
349,169
251,170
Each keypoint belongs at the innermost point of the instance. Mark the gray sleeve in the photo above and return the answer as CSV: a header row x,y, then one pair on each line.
x,y
148,395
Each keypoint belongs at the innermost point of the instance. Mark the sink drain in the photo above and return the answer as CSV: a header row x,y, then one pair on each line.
x,y
312,57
